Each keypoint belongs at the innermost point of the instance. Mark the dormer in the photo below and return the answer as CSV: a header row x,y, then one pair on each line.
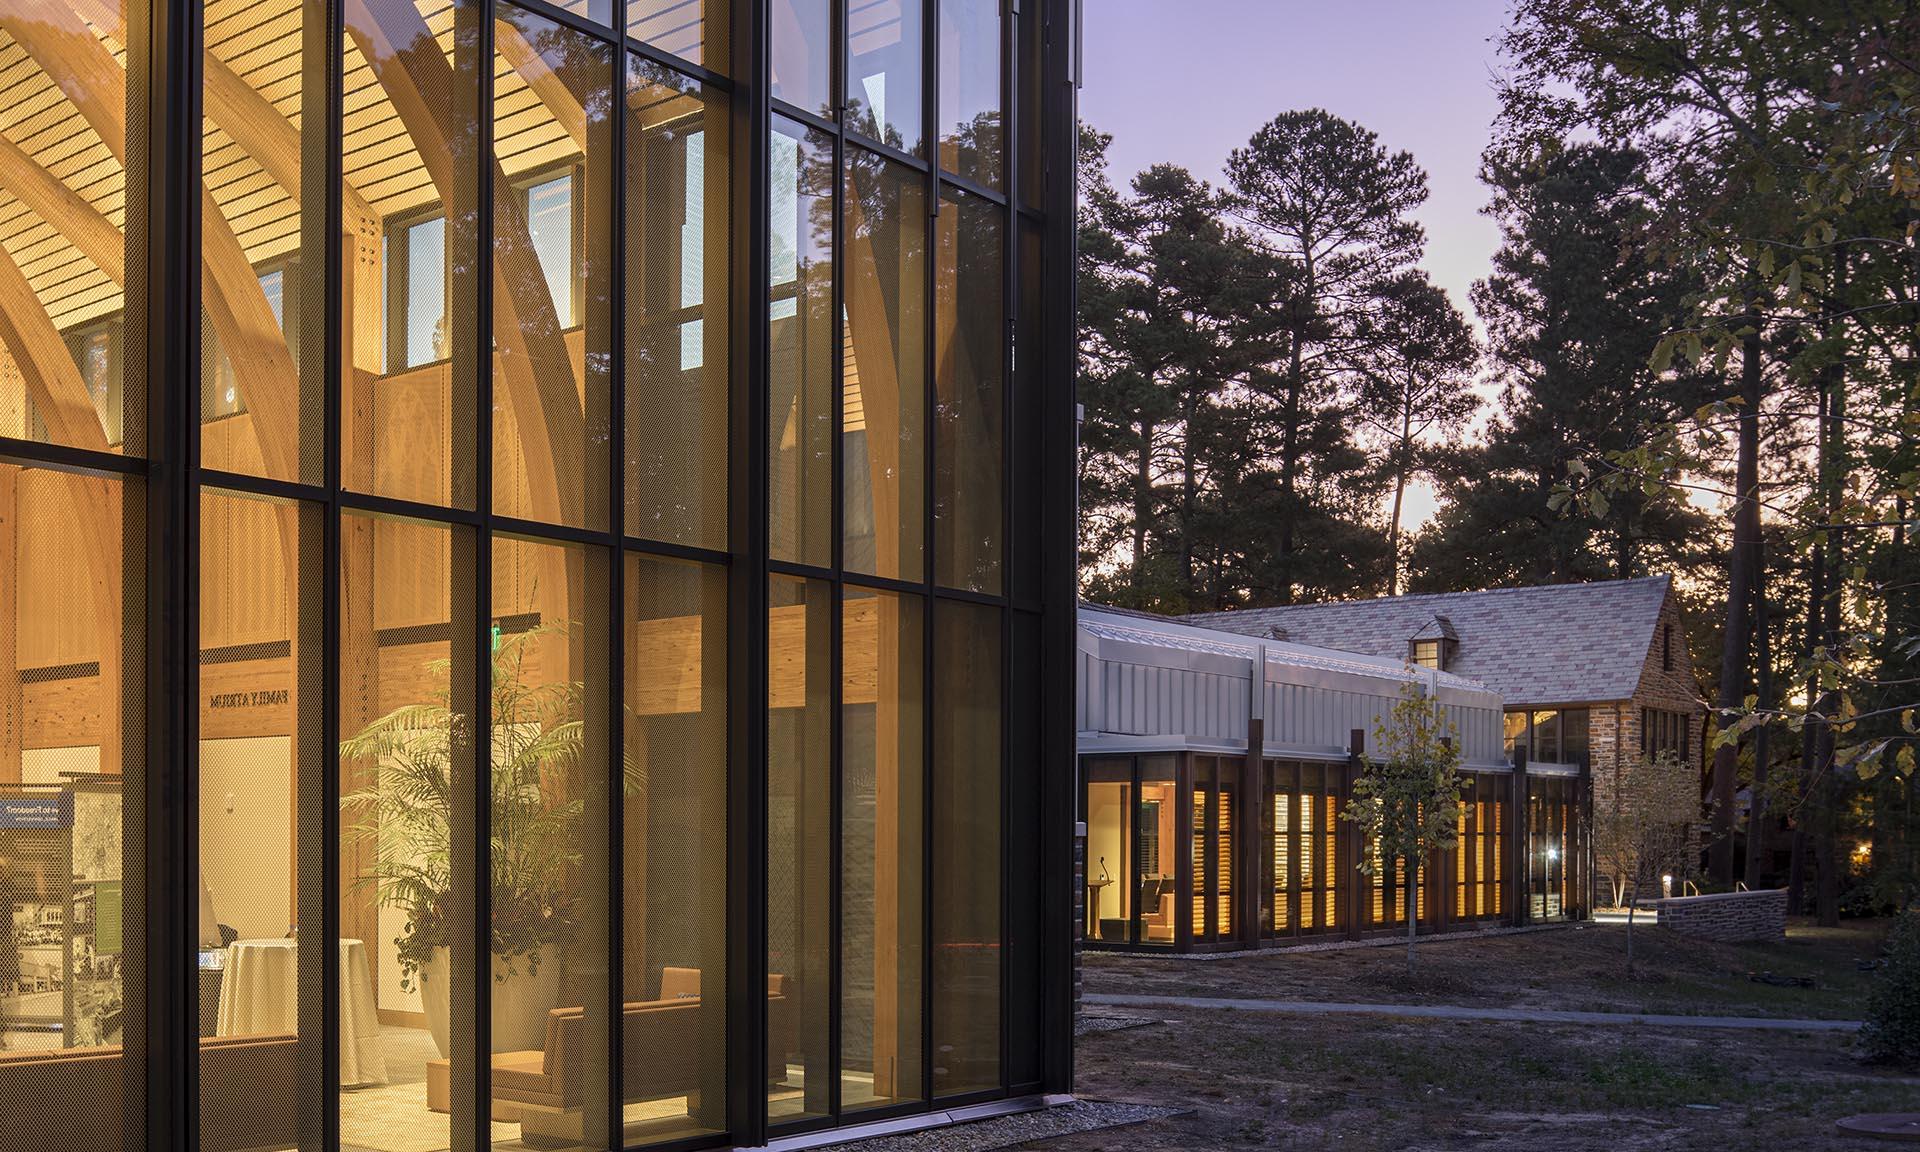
x,y
1435,645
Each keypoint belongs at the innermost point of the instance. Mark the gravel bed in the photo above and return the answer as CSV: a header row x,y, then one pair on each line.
x,y
1019,1128
1097,956
1089,1022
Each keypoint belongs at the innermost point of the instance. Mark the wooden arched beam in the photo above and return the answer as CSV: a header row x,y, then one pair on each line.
x,y
72,56
869,331
237,109
531,356
548,85
61,398
66,211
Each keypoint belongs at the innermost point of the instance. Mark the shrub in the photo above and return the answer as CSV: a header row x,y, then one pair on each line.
x,y
1891,1034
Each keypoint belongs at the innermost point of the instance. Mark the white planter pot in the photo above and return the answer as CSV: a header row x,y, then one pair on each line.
x,y
520,1001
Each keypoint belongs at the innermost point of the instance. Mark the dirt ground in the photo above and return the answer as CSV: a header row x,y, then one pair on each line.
x,y
1363,1083
1580,967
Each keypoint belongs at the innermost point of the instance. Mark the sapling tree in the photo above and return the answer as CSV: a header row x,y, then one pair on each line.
x,y
1646,829
1407,799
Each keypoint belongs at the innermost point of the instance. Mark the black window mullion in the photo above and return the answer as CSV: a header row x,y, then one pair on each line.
x,y
616,661
480,349
700,72
930,393
837,325
325,39
1009,308
169,772
748,499
61,457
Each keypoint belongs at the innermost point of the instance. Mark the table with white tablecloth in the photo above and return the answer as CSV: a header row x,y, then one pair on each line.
x,y
259,996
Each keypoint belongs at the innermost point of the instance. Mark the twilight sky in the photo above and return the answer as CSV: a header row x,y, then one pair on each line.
x,y
1186,81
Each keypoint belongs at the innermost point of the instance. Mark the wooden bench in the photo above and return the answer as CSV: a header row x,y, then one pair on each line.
x,y
669,1047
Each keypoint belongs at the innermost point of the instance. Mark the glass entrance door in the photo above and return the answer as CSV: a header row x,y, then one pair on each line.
x,y
1130,806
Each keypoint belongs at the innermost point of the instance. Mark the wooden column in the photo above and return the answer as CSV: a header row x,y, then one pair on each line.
x,y
1253,842
359,657
1348,841
1519,856
887,893
11,715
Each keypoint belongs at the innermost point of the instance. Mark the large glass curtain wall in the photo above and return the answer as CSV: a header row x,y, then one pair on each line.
x,y
888,282
550,520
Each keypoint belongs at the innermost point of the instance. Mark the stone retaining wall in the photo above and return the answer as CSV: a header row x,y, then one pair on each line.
x,y
1727,916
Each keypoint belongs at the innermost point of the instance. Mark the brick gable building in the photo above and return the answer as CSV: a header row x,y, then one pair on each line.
x,y
1592,675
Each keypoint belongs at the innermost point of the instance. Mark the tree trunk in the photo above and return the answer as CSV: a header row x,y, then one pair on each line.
x,y
1809,732
1142,504
1289,467
1833,476
1189,480
1413,913
1290,430
1630,908
1736,649
1757,802
1393,533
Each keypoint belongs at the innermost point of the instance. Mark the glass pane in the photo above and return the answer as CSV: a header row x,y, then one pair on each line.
x,y
800,45
1513,727
598,11
1222,878
261,406
885,64
678,249
969,406
970,89
1155,843
1573,735
551,757
552,271
800,345
72,559
966,848
882,847
799,845
1109,813
408,327
884,378
259,810
1546,737
694,30
72,239
1197,847
674,875
409,850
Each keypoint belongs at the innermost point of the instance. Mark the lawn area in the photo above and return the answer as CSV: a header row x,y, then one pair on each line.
x,y
1364,1082
1581,966
1260,1080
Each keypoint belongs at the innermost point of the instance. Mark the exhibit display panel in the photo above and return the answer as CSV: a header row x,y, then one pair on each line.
x,y
495,648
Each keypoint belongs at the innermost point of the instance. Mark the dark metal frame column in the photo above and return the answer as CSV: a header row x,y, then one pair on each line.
x,y
170,312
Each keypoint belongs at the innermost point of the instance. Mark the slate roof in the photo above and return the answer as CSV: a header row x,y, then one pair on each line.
x,y
1555,644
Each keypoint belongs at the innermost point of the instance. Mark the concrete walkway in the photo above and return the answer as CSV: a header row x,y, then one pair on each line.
x,y
1454,1012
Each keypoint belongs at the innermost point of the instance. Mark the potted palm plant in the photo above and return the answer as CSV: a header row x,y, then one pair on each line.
x,y
403,812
